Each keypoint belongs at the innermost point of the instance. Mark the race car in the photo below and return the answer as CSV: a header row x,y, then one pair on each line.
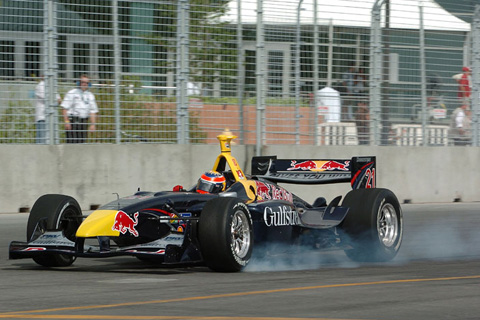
x,y
223,228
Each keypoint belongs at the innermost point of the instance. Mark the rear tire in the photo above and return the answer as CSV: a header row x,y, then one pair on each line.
x,y
54,212
226,234
373,226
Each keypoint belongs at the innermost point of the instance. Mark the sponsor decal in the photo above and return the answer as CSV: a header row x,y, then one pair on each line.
x,y
240,175
310,176
304,165
280,216
272,192
34,249
53,238
336,165
310,165
161,251
364,159
123,223
65,242
50,236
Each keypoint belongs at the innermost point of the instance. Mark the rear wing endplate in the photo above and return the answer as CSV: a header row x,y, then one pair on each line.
x,y
359,171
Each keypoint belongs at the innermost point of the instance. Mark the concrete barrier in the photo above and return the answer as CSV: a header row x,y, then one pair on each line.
x,y
93,173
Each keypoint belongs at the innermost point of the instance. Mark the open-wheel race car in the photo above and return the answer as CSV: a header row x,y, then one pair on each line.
x,y
221,227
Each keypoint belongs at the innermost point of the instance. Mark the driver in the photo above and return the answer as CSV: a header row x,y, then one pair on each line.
x,y
211,182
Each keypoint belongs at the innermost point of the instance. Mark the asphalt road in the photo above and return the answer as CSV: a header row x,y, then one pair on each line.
x,y
435,276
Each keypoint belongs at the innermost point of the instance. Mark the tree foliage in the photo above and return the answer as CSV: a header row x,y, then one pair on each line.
x,y
212,42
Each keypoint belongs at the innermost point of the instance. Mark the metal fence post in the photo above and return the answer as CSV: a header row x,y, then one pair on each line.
x,y
51,69
182,71
117,71
476,77
376,71
240,70
315,71
297,75
260,77
423,78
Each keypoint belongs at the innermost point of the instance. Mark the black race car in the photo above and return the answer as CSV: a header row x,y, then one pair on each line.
x,y
221,230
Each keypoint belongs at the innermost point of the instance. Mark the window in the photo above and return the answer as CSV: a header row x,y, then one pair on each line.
x,y
32,59
105,60
275,73
81,59
7,59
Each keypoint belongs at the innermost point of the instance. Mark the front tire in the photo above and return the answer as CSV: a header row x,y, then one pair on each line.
x,y
226,234
54,212
373,226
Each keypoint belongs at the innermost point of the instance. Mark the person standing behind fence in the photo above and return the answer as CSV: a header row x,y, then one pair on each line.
x,y
40,115
79,108
360,85
348,88
460,126
362,121
464,86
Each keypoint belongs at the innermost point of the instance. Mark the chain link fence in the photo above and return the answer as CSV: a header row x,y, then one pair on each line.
x,y
312,72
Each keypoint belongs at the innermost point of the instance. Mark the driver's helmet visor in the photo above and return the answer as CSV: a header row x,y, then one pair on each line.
x,y
209,187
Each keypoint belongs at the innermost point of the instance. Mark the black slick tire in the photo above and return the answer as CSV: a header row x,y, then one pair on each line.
x,y
373,227
54,212
225,234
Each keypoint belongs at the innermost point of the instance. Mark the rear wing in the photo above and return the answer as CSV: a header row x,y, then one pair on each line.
x,y
359,171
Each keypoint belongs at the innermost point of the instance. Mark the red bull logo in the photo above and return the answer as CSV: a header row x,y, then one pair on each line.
x,y
123,223
271,192
304,165
263,190
335,165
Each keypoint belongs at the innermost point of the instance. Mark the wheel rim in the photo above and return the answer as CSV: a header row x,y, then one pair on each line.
x,y
387,225
240,231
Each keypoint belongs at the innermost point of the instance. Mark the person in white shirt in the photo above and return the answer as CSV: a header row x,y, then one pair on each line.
x,y
79,108
40,125
330,103
460,126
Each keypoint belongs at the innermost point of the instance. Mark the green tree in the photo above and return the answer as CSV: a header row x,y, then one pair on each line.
x,y
212,42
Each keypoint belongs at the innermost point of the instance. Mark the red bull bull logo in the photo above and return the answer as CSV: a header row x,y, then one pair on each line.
x,y
335,165
123,223
304,165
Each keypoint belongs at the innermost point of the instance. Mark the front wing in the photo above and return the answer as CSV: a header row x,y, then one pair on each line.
x,y
54,242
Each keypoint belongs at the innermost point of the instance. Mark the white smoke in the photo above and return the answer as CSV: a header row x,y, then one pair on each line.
x,y
284,257
442,238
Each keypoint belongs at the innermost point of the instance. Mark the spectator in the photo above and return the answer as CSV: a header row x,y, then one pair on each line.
x,y
79,107
362,121
330,104
460,126
40,124
360,85
348,85
349,80
192,89
465,86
